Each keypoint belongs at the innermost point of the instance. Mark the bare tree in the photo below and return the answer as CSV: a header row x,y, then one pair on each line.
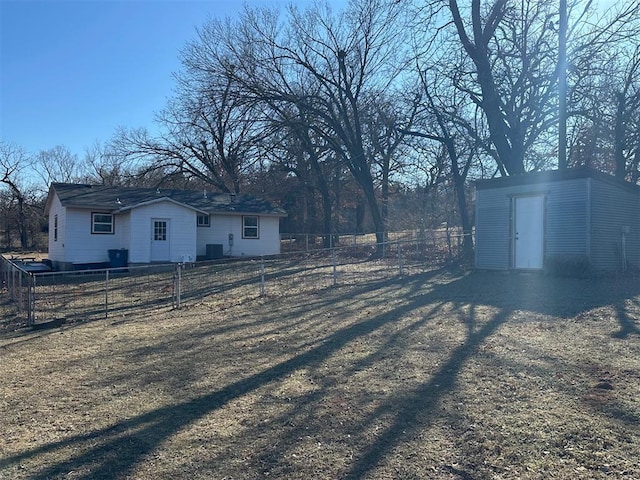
x,y
327,66
206,132
515,72
102,167
627,121
14,161
448,121
313,165
514,80
57,164
385,122
605,97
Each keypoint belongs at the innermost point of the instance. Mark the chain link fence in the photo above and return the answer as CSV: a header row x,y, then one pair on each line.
x,y
445,240
78,296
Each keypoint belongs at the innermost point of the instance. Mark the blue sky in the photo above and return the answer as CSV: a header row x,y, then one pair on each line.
x,y
71,72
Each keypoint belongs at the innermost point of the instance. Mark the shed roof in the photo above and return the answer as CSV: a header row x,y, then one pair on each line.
x,y
125,198
533,178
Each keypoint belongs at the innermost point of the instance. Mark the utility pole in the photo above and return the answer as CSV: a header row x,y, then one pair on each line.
x,y
562,87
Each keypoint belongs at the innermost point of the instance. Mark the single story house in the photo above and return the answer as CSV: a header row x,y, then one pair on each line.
x,y
88,223
544,219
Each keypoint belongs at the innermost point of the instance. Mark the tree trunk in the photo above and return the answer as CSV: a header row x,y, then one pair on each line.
x,y
619,134
22,224
327,217
384,190
378,222
461,198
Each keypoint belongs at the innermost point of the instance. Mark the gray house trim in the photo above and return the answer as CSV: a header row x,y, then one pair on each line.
x,y
584,215
554,176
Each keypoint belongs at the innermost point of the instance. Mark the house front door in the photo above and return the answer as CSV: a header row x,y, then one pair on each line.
x,y
528,234
160,236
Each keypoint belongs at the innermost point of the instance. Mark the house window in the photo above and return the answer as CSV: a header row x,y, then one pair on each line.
x,y
55,228
101,223
204,221
160,231
250,227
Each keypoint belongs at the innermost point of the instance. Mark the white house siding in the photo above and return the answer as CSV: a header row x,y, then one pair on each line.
x,y
80,245
124,222
614,206
566,225
182,231
220,226
223,225
267,244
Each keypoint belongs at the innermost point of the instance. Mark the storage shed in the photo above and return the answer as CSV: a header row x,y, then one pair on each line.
x,y
543,219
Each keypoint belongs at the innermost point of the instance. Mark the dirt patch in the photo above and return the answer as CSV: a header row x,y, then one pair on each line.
x,y
441,374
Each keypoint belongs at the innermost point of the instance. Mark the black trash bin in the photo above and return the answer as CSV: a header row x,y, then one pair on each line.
x,y
118,258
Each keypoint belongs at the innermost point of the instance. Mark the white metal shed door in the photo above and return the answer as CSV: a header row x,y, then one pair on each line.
x,y
528,232
160,236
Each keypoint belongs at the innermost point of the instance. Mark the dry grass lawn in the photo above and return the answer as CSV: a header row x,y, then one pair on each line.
x,y
440,375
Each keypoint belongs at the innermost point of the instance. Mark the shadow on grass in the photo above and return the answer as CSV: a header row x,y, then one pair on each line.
x,y
627,320
115,451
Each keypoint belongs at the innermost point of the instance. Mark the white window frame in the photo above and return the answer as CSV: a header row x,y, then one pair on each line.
x,y
55,227
246,228
203,220
95,223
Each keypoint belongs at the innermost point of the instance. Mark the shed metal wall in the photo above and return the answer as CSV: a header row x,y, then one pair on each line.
x,y
566,220
586,211
493,213
612,208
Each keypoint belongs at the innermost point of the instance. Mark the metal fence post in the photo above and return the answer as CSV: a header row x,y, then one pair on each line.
x,y
178,284
8,280
31,300
106,293
335,270
16,289
20,291
400,258
262,286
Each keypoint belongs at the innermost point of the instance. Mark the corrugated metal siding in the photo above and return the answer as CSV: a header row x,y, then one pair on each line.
x,y
612,208
566,220
492,229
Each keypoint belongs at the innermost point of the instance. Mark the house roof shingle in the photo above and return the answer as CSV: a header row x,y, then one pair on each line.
x,y
125,198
